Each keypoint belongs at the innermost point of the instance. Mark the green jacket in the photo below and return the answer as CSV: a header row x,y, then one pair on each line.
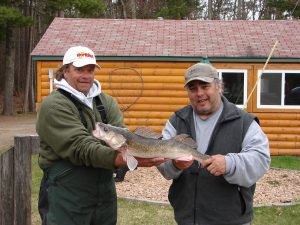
x,y
63,136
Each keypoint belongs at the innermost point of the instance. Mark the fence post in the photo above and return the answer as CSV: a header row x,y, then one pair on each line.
x,y
6,187
22,180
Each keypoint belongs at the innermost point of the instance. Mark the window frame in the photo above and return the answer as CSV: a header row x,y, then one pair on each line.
x,y
245,89
281,106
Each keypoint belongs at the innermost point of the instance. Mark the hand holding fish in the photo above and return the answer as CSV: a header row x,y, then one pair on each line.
x,y
142,162
182,164
148,162
216,165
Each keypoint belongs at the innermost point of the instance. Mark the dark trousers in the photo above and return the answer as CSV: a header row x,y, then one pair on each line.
x,y
120,173
73,195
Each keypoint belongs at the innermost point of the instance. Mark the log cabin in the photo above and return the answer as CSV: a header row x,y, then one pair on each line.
x,y
143,64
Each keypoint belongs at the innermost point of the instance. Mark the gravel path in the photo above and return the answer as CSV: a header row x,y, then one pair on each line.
x,y
277,187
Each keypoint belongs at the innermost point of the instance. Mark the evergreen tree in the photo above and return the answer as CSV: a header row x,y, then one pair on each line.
x,y
179,9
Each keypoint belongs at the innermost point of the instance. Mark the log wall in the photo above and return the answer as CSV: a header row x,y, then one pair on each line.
x,y
149,92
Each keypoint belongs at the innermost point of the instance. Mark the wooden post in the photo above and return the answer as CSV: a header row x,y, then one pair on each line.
x,y
22,180
6,187
35,144
15,181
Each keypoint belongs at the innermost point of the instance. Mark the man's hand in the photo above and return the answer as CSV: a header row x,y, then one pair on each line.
x,y
216,165
182,164
119,161
143,162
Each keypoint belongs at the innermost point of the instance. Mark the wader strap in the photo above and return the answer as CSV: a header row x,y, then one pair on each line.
x,y
99,106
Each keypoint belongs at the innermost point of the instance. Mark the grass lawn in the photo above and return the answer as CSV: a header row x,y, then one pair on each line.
x,y
286,162
136,213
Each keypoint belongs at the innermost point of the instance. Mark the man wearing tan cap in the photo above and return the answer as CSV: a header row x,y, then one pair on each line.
x,y
220,190
78,187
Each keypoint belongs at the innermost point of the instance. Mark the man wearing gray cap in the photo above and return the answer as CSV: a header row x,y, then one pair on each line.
x,y
220,190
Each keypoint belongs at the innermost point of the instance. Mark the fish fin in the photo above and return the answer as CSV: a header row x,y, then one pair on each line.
x,y
131,162
147,132
186,139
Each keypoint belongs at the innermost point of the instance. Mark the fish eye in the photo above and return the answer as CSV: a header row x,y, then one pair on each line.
x,y
105,129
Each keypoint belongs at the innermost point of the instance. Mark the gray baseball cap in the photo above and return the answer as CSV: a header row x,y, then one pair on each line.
x,y
201,71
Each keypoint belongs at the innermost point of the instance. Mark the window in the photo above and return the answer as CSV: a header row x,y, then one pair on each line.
x,y
279,89
235,85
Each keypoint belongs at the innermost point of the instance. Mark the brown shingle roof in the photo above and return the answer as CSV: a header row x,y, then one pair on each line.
x,y
179,38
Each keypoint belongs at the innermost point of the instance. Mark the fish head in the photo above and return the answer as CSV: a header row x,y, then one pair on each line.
x,y
108,134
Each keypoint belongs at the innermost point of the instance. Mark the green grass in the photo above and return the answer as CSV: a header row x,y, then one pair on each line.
x,y
36,179
284,215
134,213
286,162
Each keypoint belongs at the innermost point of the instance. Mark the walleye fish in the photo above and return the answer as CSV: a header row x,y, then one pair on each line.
x,y
144,143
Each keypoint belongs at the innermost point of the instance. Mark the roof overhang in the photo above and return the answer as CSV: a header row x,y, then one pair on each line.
x,y
176,59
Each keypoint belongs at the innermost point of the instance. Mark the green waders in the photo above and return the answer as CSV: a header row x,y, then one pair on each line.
x,y
75,195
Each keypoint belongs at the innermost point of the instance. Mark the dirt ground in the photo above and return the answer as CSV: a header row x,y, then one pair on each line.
x,y
17,125
275,188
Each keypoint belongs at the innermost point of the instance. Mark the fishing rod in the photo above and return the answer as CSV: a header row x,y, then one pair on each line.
x,y
258,78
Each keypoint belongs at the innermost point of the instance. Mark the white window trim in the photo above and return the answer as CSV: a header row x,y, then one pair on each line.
x,y
283,72
245,72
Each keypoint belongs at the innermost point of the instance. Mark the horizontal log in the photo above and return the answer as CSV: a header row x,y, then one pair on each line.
x,y
157,129
45,92
136,93
140,71
45,84
285,145
280,123
154,64
284,137
284,152
151,107
149,100
143,86
147,93
106,66
278,116
281,130
144,122
147,114
132,79
50,64
140,79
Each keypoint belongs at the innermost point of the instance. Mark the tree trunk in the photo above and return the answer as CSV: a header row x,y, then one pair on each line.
x,y
132,5
28,66
209,9
124,9
9,72
239,10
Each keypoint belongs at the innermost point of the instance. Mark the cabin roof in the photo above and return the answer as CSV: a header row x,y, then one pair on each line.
x,y
173,38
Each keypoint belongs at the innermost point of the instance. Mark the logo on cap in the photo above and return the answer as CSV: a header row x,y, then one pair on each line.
x,y
83,54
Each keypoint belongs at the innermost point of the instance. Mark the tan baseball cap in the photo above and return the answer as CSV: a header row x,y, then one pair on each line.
x,y
201,71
